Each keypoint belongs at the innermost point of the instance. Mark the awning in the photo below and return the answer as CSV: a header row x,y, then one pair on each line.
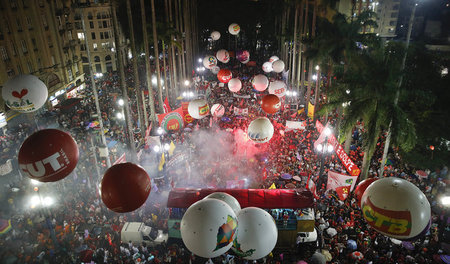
x,y
262,198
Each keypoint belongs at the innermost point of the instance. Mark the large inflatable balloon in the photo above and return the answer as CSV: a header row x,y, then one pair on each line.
x,y
208,228
257,234
396,208
224,75
270,103
217,110
223,56
215,69
260,130
229,199
243,56
277,88
361,188
267,66
234,29
48,155
198,108
209,62
215,35
24,93
273,58
260,82
234,85
278,66
125,187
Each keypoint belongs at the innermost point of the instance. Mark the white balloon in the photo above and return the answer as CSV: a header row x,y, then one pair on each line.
x,y
257,234
215,69
198,108
203,226
223,56
260,82
24,93
229,199
215,35
260,130
277,88
235,85
234,29
273,58
278,66
217,110
209,62
396,208
267,66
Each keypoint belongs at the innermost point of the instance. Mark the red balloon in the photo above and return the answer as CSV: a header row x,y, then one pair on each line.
x,y
48,155
224,75
271,104
361,188
125,187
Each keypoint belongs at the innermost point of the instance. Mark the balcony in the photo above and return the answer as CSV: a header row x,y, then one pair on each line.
x,y
69,26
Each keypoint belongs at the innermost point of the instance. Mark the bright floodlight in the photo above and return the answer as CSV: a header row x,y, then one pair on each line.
x,y
160,131
445,200
191,94
347,91
200,60
294,93
319,147
330,148
156,148
35,182
184,94
186,82
154,80
288,93
314,77
120,102
47,201
119,115
34,201
166,147
317,67
327,131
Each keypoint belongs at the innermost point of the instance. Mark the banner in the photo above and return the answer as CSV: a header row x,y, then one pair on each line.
x,y
176,159
247,96
172,121
187,118
345,159
121,159
240,111
166,106
6,168
310,185
321,138
172,148
294,125
236,184
310,110
341,183
161,162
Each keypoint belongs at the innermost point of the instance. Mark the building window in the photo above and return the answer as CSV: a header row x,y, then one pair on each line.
x,y
91,24
392,23
100,24
76,68
105,24
24,46
44,20
49,41
29,22
53,60
394,15
83,47
107,58
13,4
84,59
19,69
39,63
101,35
90,16
30,67
95,46
78,25
98,15
41,3
69,34
106,35
80,35
98,68
4,53
93,35
34,44
19,25
13,47
395,7
11,73
69,71
96,59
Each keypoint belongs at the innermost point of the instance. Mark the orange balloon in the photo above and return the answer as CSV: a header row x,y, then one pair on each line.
x,y
125,187
270,104
224,75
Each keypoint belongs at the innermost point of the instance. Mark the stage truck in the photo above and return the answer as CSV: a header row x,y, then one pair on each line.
x,y
292,209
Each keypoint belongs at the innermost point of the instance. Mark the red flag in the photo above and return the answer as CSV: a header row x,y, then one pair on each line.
x,y
341,183
310,185
265,174
166,106
121,159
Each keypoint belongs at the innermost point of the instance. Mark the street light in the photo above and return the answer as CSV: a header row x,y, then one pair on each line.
x,y
119,115
324,149
156,148
120,102
160,131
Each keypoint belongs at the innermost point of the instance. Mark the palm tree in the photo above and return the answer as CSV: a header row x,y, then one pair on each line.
x,y
156,50
368,88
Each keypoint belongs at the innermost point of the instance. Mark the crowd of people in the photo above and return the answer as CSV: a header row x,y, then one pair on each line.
x,y
80,229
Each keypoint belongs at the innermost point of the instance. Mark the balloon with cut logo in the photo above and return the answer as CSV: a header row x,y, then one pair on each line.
x,y
215,35
225,197
223,56
396,208
209,62
224,75
278,66
277,88
260,82
271,104
217,110
273,58
257,234
198,108
208,228
361,188
234,85
24,93
125,187
48,155
267,66
260,130
234,29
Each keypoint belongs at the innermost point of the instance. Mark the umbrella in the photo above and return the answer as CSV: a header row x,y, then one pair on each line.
x,y
351,244
421,174
5,226
296,178
318,258
331,232
327,255
226,119
286,176
188,129
446,259
290,186
356,255
408,245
